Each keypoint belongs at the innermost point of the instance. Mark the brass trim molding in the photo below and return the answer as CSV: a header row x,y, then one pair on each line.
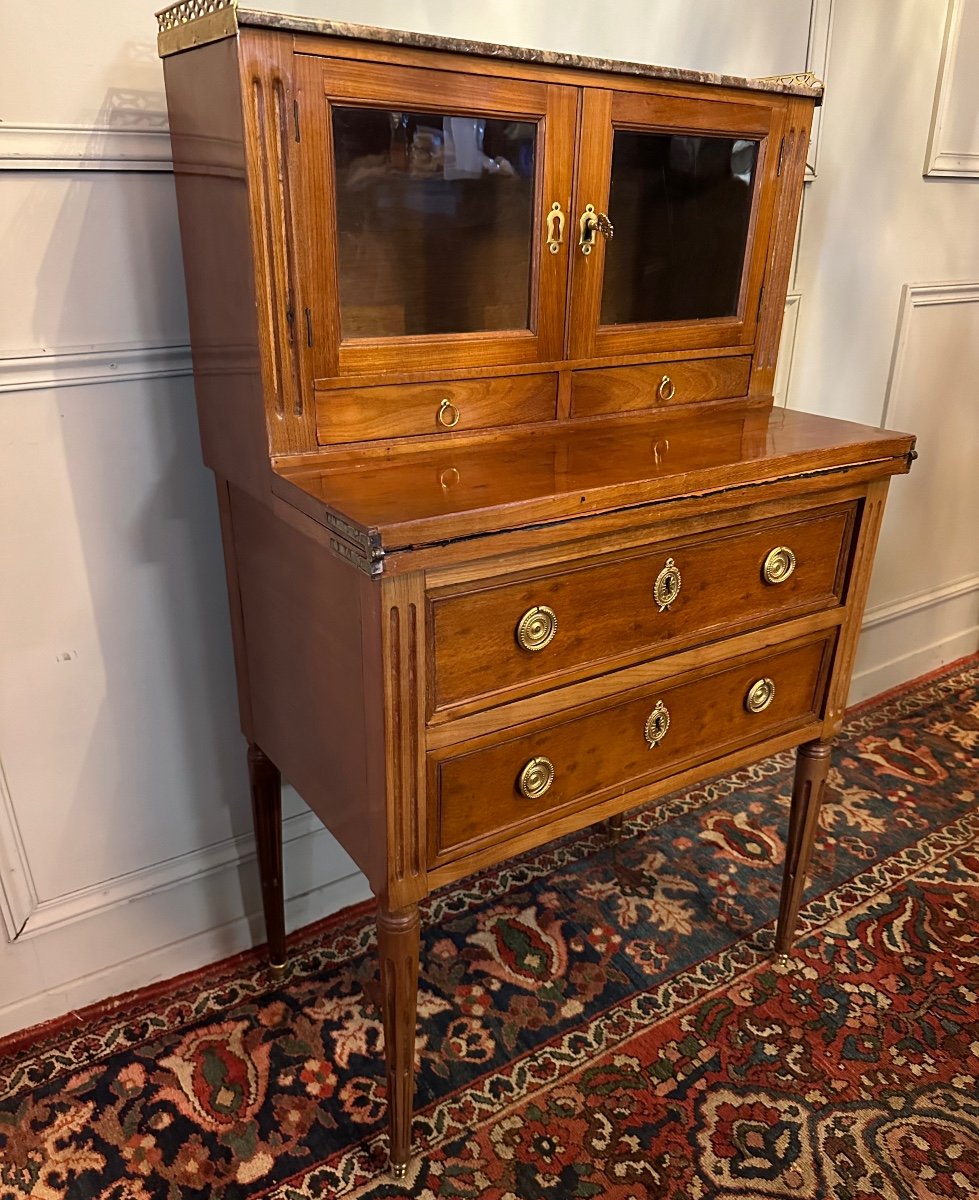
x,y
800,79
195,23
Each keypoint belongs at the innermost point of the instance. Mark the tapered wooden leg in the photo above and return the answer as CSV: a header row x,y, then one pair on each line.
x,y
266,787
397,943
811,768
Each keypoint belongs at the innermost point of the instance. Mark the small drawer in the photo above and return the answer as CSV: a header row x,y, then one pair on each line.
x,y
519,635
414,409
652,385
530,778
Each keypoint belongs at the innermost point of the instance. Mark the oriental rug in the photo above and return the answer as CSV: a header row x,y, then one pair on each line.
x,y
597,1019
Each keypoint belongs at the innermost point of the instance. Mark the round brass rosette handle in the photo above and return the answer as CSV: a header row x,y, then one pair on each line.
x,y
537,627
448,414
778,565
667,585
536,777
760,695
666,390
657,723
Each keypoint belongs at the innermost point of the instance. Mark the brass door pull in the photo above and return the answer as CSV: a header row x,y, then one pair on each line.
x,y
535,778
666,390
760,695
590,223
778,565
657,723
448,414
667,585
537,627
555,228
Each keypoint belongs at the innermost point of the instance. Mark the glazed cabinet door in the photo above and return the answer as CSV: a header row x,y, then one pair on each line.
x,y
672,216
434,214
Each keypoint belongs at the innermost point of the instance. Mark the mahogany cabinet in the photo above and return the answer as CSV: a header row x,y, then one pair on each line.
x,y
484,343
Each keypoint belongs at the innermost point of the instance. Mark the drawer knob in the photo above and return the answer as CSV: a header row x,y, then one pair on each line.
x,y
778,565
667,585
666,390
536,777
760,695
448,414
537,627
657,723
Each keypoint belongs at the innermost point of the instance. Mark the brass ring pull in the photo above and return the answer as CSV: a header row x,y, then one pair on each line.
x,y
667,585
535,778
537,627
666,390
657,723
778,565
760,695
448,414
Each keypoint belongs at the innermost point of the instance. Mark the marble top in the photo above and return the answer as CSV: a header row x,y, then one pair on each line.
x,y
795,85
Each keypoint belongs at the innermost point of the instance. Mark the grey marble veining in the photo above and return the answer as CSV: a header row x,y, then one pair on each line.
x,y
786,85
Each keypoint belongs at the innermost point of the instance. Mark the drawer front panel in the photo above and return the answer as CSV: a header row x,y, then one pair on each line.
x,y
609,611
652,385
414,409
608,752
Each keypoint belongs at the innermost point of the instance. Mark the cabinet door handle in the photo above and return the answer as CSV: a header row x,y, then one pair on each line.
x,y
760,695
554,223
590,223
667,585
448,414
778,565
535,778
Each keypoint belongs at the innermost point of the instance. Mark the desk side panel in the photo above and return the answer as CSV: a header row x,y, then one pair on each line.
x,y
311,649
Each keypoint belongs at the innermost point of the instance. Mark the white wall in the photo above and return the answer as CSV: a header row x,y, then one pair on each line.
x,y
125,852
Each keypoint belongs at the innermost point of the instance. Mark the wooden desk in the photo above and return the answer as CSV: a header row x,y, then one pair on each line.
x,y
504,567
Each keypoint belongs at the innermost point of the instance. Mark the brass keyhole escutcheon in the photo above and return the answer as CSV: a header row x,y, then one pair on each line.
x,y
555,228
590,223
535,778
760,695
667,585
778,565
657,723
537,627
666,390
448,414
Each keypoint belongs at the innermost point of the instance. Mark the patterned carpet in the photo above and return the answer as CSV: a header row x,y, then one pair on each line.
x,y
597,1020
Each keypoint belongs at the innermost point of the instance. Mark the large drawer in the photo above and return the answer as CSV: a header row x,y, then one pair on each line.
x,y
614,610
651,385
497,790
414,409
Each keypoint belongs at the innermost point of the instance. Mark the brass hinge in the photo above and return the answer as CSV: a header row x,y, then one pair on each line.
x,y
781,151
295,118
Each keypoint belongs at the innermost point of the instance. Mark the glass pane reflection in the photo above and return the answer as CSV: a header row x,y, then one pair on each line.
x,y
680,204
434,214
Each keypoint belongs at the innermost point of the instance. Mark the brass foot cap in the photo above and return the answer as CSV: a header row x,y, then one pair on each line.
x,y
399,1170
278,969
783,960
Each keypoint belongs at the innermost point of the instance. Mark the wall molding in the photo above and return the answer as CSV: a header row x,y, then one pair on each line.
x,y
786,350
157,877
817,61
943,160
920,295
85,148
75,366
881,614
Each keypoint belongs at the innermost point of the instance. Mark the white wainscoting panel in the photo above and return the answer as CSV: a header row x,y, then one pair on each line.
x,y
786,348
953,143
929,539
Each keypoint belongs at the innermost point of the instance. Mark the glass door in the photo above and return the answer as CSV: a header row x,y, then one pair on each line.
x,y
437,209
672,217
